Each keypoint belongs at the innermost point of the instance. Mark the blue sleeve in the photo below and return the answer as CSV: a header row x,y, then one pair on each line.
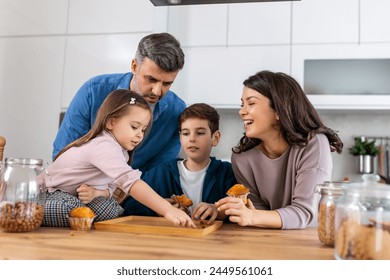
x,y
133,207
162,181
223,179
230,178
169,151
172,144
163,142
76,121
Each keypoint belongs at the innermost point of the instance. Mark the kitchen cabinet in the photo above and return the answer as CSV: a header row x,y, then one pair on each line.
x,y
98,55
38,17
107,16
263,24
215,74
223,48
199,25
224,25
374,21
300,53
30,86
325,21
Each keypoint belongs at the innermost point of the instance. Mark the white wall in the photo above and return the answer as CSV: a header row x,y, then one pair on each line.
x,y
49,48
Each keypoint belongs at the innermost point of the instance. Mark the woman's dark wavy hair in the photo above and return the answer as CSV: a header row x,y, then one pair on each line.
x,y
299,121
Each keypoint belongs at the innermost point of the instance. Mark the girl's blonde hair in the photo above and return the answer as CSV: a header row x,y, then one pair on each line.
x,y
117,104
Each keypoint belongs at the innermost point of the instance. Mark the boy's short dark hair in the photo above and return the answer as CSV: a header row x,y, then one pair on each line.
x,y
201,111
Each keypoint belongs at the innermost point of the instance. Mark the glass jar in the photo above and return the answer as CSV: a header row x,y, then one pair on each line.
x,y
363,222
330,193
22,194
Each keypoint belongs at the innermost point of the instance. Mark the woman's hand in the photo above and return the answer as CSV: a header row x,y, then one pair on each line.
x,y
178,217
237,211
204,210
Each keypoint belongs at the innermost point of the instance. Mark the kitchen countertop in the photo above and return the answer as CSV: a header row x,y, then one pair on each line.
x,y
229,242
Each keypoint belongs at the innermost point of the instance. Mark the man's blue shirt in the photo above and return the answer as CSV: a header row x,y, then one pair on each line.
x,y
160,144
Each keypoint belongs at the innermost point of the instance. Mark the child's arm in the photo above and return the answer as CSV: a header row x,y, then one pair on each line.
x,y
147,196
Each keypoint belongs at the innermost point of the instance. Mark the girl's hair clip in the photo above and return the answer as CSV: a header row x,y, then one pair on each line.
x,y
132,100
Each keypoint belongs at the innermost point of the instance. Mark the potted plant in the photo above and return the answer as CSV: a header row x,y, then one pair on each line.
x,y
366,151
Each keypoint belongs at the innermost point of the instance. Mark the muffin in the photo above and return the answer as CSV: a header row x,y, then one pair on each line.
x,y
81,218
239,191
184,202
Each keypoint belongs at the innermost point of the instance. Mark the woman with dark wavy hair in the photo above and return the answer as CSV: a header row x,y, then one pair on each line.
x,y
284,153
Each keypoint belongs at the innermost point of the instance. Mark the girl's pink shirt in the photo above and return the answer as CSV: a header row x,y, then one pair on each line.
x,y
100,163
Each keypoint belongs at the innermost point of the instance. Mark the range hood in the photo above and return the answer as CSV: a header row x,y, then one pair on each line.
x,y
204,2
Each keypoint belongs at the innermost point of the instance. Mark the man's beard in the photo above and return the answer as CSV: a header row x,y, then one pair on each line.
x,y
150,95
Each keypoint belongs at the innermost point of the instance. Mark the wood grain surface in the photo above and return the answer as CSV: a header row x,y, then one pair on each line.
x,y
156,225
229,242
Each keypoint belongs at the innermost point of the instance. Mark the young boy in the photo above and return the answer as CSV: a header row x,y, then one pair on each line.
x,y
202,178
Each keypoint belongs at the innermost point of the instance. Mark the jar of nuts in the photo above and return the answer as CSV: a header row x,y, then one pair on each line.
x,y
22,194
363,222
330,193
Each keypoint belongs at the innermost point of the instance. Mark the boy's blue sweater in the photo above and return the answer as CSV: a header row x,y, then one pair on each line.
x,y
165,180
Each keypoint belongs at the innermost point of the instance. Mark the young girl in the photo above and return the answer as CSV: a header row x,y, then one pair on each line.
x,y
87,171
284,154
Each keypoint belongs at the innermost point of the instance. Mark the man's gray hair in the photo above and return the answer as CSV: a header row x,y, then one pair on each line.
x,y
163,49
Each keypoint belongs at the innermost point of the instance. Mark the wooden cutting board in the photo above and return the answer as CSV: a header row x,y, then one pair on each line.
x,y
155,225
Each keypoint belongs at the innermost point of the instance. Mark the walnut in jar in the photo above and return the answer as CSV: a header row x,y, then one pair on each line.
x,y
20,216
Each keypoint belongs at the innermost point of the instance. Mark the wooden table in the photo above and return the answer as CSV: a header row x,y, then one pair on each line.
x,y
230,242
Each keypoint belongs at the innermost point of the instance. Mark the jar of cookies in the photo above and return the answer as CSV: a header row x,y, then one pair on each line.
x,y
22,194
363,222
330,193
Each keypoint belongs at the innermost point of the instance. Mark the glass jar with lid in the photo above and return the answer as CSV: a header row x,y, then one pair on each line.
x,y
330,193
22,194
363,222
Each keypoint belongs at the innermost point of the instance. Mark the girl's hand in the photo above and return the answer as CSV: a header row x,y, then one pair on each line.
x,y
235,208
173,202
86,193
204,210
179,218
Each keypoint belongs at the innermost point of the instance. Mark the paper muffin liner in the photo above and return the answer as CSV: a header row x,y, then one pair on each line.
x,y
81,223
244,197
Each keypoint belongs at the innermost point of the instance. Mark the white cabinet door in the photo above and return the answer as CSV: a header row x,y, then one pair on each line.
x,y
325,21
215,75
342,51
38,17
30,92
198,25
259,23
107,16
88,56
375,20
